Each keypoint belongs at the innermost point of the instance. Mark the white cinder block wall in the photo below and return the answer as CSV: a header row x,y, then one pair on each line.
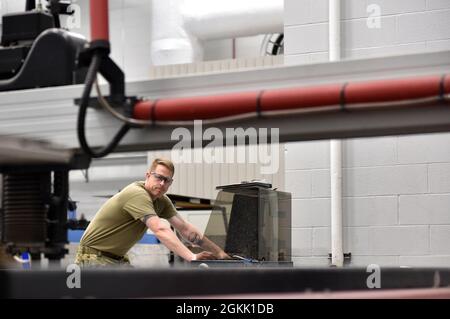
x,y
405,26
396,189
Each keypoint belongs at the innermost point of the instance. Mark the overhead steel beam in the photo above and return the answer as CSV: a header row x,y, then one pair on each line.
x,y
50,113
14,151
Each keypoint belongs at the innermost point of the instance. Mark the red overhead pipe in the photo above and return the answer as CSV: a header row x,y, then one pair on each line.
x,y
99,20
300,97
185,109
394,90
297,98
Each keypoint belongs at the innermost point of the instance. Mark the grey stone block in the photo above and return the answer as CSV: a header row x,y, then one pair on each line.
x,y
424,209
311,212
301,242
370,211
399,240
440,239
306,38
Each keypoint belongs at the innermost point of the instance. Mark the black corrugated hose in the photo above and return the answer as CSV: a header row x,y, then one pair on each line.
x,y
81,130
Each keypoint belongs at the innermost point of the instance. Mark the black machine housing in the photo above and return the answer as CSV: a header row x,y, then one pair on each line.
x,y
251,222
33,214
34,200
33,53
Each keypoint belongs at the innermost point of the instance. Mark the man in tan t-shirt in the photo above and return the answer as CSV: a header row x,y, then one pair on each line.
x,y
123,220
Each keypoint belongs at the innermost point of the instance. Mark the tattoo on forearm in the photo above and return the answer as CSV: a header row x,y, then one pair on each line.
x,y
195,239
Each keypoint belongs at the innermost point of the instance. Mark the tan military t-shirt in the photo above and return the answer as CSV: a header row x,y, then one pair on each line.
x,y
117,226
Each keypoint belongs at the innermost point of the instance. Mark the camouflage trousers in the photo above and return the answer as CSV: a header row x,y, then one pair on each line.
x,y
92,258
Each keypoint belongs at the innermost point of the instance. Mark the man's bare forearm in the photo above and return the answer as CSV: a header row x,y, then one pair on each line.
x,y
192,234
170,240
208,245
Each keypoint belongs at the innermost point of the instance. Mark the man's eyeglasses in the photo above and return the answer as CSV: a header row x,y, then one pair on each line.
x,y
162,178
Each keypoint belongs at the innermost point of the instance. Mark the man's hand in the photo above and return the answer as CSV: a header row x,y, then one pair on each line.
x,y
205,255
224,255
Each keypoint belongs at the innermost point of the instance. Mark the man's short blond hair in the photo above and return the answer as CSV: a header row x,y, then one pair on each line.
x,y
164,162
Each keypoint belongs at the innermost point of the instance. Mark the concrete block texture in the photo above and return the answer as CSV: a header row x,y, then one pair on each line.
x,y
358,211
305,11
370,211
375,151
427,148
306,38
439,45
385,180
424,26
354,182
372,52
396,189
299,183
440,239
311,261
439,177
301,242
429,209
375,241
382,261
310,154
354,9
399,240
357,33
356,240
321,241
389,7
311,212
425,261
405,26
321,183
306,58
313,11
438,4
